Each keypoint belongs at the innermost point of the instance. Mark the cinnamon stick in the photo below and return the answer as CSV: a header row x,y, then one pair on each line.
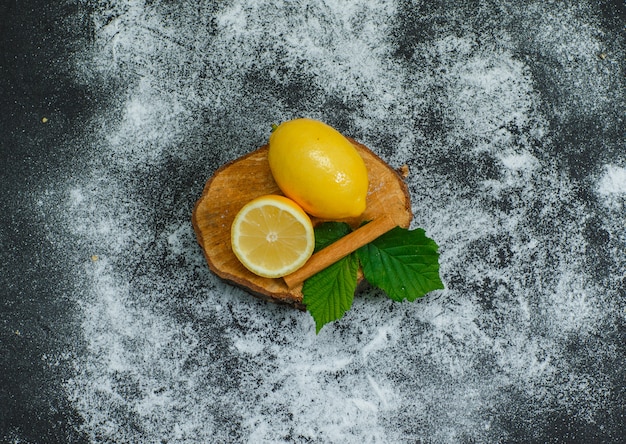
x,y
340,249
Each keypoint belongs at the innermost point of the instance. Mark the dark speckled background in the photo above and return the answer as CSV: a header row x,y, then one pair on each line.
x,y
510,116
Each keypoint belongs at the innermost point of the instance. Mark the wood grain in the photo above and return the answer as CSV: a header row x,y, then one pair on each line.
x,y
240,181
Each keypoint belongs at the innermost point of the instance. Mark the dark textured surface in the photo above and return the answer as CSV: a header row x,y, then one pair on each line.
x,y
511,118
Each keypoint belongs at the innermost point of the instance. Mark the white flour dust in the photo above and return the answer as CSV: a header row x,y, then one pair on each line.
x,y
175,355
613,181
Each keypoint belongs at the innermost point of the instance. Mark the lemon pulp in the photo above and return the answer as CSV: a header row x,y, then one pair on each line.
x,y
272,236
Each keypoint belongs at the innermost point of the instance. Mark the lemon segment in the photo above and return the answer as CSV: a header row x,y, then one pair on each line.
x,y
317,167
272,236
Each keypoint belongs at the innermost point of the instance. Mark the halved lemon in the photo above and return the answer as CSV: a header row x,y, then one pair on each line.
x,y
272,236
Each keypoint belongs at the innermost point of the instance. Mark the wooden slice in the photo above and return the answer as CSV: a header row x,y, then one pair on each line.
x,y
238,182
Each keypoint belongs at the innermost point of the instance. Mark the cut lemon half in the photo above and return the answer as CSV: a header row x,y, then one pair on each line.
x,y
272,236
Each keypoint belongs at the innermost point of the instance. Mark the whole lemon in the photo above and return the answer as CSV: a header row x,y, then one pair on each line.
x,y
316,166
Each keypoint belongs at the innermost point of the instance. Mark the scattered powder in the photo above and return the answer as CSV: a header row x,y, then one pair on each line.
x,y
176,355
613,180
518,162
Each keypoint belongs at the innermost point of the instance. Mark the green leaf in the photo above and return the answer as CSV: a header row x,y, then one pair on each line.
x,y
328,232
404,263
329,293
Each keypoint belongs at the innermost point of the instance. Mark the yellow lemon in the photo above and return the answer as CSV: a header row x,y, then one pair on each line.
x,y
316,166
272,236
